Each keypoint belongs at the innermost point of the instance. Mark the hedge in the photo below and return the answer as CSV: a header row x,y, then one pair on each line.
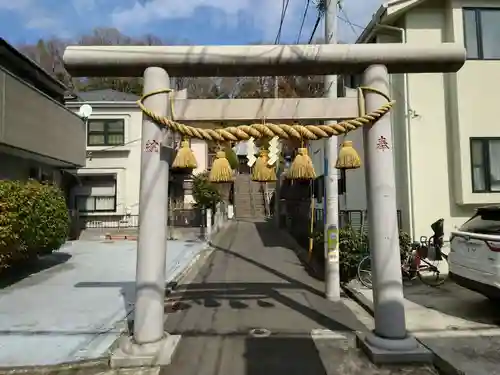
x,y
34,220
353,246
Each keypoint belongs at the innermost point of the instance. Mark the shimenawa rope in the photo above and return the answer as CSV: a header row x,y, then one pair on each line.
x,y
269,130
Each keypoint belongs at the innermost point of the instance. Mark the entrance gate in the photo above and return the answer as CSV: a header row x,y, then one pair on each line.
x,y
390,341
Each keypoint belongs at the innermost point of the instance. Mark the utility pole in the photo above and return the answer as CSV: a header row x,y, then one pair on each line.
x,y
331,202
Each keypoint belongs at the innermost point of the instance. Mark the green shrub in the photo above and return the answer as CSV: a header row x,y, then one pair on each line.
x,y
49,226
232,158
13,211
353,246
205,194
34,220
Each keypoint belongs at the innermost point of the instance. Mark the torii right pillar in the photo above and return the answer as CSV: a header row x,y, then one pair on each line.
x,y
389,342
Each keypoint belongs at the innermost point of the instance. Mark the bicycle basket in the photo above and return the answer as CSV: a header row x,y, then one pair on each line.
x,y
439,253
438,228
423,251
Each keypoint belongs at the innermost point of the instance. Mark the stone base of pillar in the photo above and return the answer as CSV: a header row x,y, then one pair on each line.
x,y
385,351
131,354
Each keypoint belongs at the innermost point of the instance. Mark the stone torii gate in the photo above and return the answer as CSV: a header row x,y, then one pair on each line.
x,y
389,342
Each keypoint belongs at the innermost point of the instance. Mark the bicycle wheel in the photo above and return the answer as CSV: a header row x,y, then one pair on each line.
x,y
432,272
365,272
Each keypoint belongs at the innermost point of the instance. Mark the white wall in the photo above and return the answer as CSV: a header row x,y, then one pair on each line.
x,y
451,109
476,99
432,126
123,161
200,150
432,131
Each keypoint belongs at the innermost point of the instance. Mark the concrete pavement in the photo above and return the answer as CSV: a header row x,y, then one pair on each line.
x,y
252,309
459,326
77,305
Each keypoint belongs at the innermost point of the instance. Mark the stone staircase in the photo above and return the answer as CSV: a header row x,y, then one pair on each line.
x,y
249,198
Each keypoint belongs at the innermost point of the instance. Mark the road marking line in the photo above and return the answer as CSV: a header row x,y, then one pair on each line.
x,y
327,334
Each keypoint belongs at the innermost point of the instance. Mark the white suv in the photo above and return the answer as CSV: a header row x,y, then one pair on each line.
x,y
474,258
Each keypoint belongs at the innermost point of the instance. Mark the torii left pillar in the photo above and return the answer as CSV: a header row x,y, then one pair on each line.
x,y
150,345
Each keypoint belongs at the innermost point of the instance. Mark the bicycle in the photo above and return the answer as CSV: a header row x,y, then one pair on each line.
x,y
416,263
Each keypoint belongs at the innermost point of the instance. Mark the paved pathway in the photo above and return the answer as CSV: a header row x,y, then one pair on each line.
x,y
461,327
253,281
76,305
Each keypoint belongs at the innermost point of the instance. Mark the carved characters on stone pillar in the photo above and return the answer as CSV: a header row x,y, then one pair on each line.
x,y
382,143
152,145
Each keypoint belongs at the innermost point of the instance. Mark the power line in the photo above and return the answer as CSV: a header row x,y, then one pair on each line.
x,y
353,25
316,24
303,20
347,20
320,6
284,8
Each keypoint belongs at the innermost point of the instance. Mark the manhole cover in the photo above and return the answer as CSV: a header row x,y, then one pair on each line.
x,y
260,332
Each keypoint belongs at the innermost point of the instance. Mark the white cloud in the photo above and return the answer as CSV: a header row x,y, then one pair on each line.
x,y
33,15
19,5
83,6
42,23
264,14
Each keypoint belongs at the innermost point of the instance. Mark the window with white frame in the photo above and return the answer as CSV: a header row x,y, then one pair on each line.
x,y
485,163
482,33
96,194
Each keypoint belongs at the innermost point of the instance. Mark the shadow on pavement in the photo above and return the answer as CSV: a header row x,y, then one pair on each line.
x,y
285,304
281,238
41,263
282,356
127,291
456,301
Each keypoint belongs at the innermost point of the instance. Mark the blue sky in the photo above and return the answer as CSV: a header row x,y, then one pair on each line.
x,y
196,21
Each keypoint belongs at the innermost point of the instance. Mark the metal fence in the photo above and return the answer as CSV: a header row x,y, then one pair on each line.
x,y
356,219
185,218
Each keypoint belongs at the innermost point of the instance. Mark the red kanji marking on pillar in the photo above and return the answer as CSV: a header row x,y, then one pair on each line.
x,y
382,144
152,146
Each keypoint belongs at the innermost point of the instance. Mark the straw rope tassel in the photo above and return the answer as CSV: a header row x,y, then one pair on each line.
x,y
185,157
221,170
263,172
302,167
348,156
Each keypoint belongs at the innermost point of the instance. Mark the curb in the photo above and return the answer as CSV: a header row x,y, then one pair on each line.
x,y
189,273
202,255
102,363
358,297
442,365
95,364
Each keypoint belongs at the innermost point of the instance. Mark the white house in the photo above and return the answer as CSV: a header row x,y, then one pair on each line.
x,y
446,138
109,182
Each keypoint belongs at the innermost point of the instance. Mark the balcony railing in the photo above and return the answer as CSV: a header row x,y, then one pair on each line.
x,y
34,122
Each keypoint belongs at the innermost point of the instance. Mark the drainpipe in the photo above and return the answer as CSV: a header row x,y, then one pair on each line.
x,y
402,34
